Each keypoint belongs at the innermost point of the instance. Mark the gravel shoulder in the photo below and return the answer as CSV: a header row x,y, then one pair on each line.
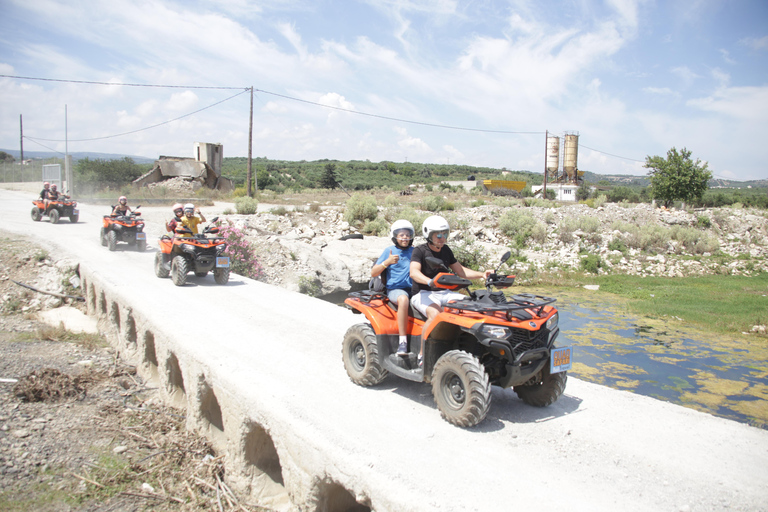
x,y
79,429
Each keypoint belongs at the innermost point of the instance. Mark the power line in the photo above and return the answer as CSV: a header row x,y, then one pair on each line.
x,y
120,83
399,120
357,112
140,129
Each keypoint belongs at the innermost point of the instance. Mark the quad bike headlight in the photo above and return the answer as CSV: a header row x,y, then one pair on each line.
x,y
495,331
552,322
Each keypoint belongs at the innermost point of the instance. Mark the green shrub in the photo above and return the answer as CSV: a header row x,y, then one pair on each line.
x,y
565,229
376,227
436,204
617,244
246,205
591,263
694,240
361,208
702,221
470,254
279,210
517,225
309,286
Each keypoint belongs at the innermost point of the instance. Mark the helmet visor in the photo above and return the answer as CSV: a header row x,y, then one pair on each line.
x,y
404,233
440,234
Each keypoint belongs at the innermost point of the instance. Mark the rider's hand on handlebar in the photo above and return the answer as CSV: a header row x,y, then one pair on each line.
x,y
431,283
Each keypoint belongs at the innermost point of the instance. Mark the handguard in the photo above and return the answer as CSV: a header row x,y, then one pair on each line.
x,y
448,281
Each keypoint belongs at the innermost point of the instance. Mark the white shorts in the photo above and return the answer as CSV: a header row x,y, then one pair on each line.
x,y
422,300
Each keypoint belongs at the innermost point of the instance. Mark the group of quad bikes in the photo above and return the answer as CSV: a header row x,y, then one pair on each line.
x,y
178,255
485,339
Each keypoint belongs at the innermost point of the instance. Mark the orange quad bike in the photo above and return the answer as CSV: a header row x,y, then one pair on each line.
x,y
62,207
199,253
124,228
485,339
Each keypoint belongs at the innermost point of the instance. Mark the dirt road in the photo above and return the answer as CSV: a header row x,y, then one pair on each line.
x,y
595,449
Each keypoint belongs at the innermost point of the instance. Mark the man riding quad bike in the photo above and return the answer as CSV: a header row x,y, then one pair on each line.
x,y
125,227
482,340
198,253
55,205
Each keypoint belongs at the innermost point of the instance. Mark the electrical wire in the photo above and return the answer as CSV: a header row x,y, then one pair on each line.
x,y
140,129
246,89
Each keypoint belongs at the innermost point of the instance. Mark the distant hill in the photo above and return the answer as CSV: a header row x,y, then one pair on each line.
x,y
77,156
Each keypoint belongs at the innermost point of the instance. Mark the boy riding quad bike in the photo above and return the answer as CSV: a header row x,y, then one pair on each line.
x,y
127,228
63,206
198,253
485,339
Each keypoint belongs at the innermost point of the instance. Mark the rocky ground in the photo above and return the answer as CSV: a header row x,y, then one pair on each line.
x,y
79,430
301,244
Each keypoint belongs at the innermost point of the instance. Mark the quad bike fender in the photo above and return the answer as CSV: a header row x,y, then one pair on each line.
x,y
166,244
382,318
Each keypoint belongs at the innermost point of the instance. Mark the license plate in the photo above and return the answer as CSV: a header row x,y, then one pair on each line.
x,y
222,261
141,236
75,212
560,359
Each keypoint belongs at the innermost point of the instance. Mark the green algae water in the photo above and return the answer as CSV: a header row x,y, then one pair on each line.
x,y
663,358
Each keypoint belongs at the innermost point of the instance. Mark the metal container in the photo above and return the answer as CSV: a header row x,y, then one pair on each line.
x,y
553,154
570,154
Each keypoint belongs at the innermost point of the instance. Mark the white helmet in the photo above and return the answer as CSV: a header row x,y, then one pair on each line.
x,y
400,225
189,206
432,224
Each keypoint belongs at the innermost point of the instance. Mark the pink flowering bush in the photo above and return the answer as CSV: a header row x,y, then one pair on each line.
x,y
242,259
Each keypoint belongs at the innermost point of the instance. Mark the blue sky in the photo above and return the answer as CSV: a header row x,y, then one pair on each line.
x,y
633,77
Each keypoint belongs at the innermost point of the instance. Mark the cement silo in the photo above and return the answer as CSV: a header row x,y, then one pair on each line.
x,y
571,155
553,156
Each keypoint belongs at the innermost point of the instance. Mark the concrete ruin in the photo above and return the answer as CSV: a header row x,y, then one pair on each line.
x,y
204,168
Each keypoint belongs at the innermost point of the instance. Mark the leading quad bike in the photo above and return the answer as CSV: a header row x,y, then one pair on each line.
x,y
124,228
199,253
62,207
483,340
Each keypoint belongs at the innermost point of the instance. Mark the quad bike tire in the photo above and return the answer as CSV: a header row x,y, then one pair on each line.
x,y
112,240
360,354
179,269
461,388
54,216
201,274
141,245
221,275
546,391
103,237
161,270
37,214
74,218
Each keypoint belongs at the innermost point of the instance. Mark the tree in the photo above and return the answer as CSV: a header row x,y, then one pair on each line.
x,y
329,177
107,173
6,157
677,178
583,192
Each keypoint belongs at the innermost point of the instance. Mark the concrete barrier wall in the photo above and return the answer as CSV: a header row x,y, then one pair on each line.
x,y
268,459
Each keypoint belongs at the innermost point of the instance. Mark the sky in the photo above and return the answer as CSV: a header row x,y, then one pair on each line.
x,y
423,81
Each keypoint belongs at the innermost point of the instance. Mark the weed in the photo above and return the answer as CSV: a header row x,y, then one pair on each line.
x,y
309,286
246,205
360,208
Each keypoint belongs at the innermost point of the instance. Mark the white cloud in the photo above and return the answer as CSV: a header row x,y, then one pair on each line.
x,y
747,103
662,91
756,43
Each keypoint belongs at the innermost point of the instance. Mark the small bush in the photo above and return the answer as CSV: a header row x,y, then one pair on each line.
x,y
566,229
246,205
360,208
376,227
702,221
241,253
591,263
470,255
280,210
309,286
518,225
617,244
436,204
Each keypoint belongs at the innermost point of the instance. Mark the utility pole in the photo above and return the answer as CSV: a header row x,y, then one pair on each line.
x,y
21,143
250,149
544,190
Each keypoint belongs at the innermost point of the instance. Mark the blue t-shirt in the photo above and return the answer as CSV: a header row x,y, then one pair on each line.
x,y
399,274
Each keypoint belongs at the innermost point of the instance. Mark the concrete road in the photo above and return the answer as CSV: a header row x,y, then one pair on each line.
x,y
595,449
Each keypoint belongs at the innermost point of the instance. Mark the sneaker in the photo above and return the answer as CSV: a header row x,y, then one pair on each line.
x,y
402,349
420,361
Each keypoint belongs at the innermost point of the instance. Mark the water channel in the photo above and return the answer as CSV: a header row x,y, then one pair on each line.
x,y
726,376
667,359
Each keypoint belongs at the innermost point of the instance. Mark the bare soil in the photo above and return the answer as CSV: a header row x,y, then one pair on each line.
x,y
79,430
